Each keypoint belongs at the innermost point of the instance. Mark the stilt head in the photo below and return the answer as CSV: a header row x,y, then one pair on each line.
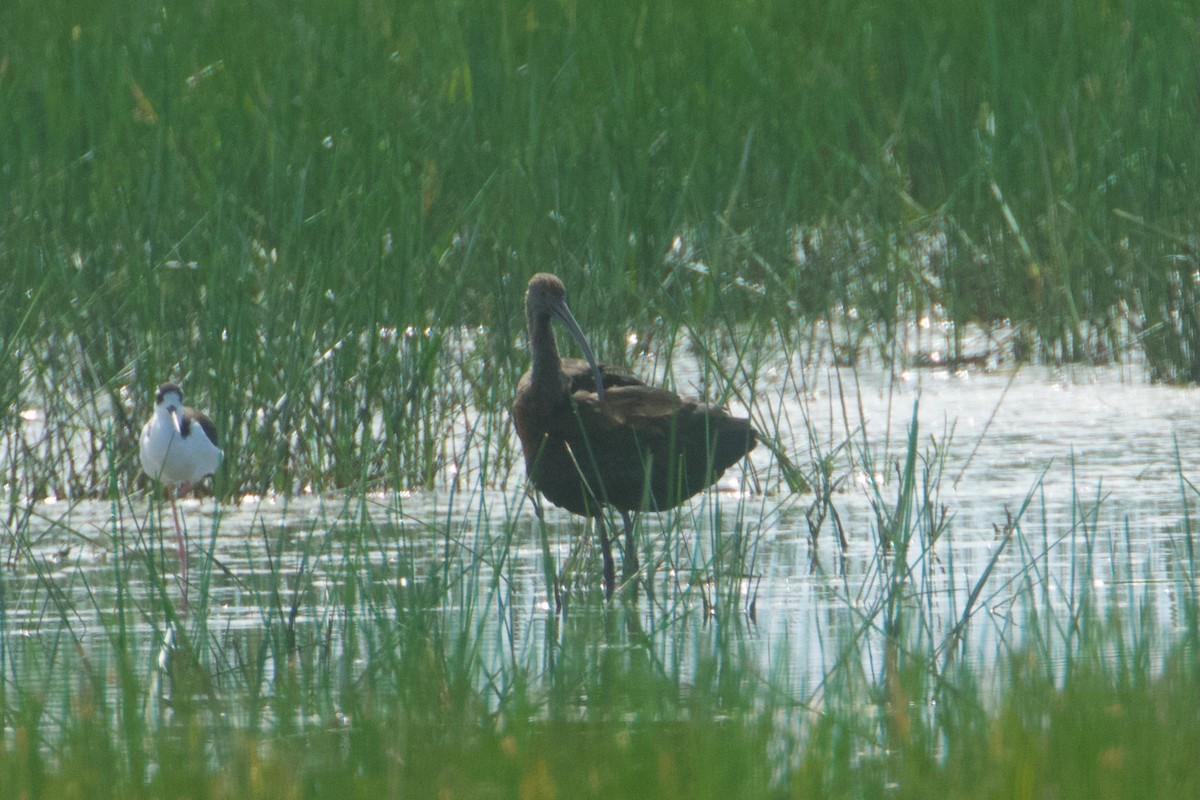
x,y
169,400
169,392
546,299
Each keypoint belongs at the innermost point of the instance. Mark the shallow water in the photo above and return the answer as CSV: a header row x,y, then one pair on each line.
x,y
1086,460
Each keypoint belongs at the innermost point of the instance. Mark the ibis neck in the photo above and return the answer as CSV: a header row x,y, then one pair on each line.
x,y
546,365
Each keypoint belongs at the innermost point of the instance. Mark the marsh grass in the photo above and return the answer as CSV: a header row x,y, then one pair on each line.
x,y
386,652
251,200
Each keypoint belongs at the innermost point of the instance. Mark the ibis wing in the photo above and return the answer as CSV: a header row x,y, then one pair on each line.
x,y
645,448
580,377
645,408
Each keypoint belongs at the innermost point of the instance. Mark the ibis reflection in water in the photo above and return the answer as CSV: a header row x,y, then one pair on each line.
x,y
594,436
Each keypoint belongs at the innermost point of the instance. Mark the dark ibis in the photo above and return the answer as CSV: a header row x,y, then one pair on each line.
x,y
178,449
593,435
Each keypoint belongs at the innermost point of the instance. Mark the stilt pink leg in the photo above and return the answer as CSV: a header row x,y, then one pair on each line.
x,y
183,558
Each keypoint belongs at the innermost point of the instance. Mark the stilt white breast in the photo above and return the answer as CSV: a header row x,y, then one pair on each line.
x,y
179,444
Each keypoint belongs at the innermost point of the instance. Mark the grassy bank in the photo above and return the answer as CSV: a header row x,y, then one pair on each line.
x,y
1102,734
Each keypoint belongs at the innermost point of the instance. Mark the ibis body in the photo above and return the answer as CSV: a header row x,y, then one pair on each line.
x,y
593,435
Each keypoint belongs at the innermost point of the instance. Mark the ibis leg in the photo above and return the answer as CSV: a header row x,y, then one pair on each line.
x,y
610,577
630,565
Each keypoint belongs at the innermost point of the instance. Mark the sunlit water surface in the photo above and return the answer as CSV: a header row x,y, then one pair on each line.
x,y
1092,463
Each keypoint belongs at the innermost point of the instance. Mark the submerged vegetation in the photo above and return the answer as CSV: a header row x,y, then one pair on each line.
x,y
320,219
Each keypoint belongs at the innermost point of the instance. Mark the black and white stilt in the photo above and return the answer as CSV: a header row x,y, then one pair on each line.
x,y
178,449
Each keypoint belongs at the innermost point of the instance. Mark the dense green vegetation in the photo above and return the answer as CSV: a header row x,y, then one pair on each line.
x,y
247,195
320,217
